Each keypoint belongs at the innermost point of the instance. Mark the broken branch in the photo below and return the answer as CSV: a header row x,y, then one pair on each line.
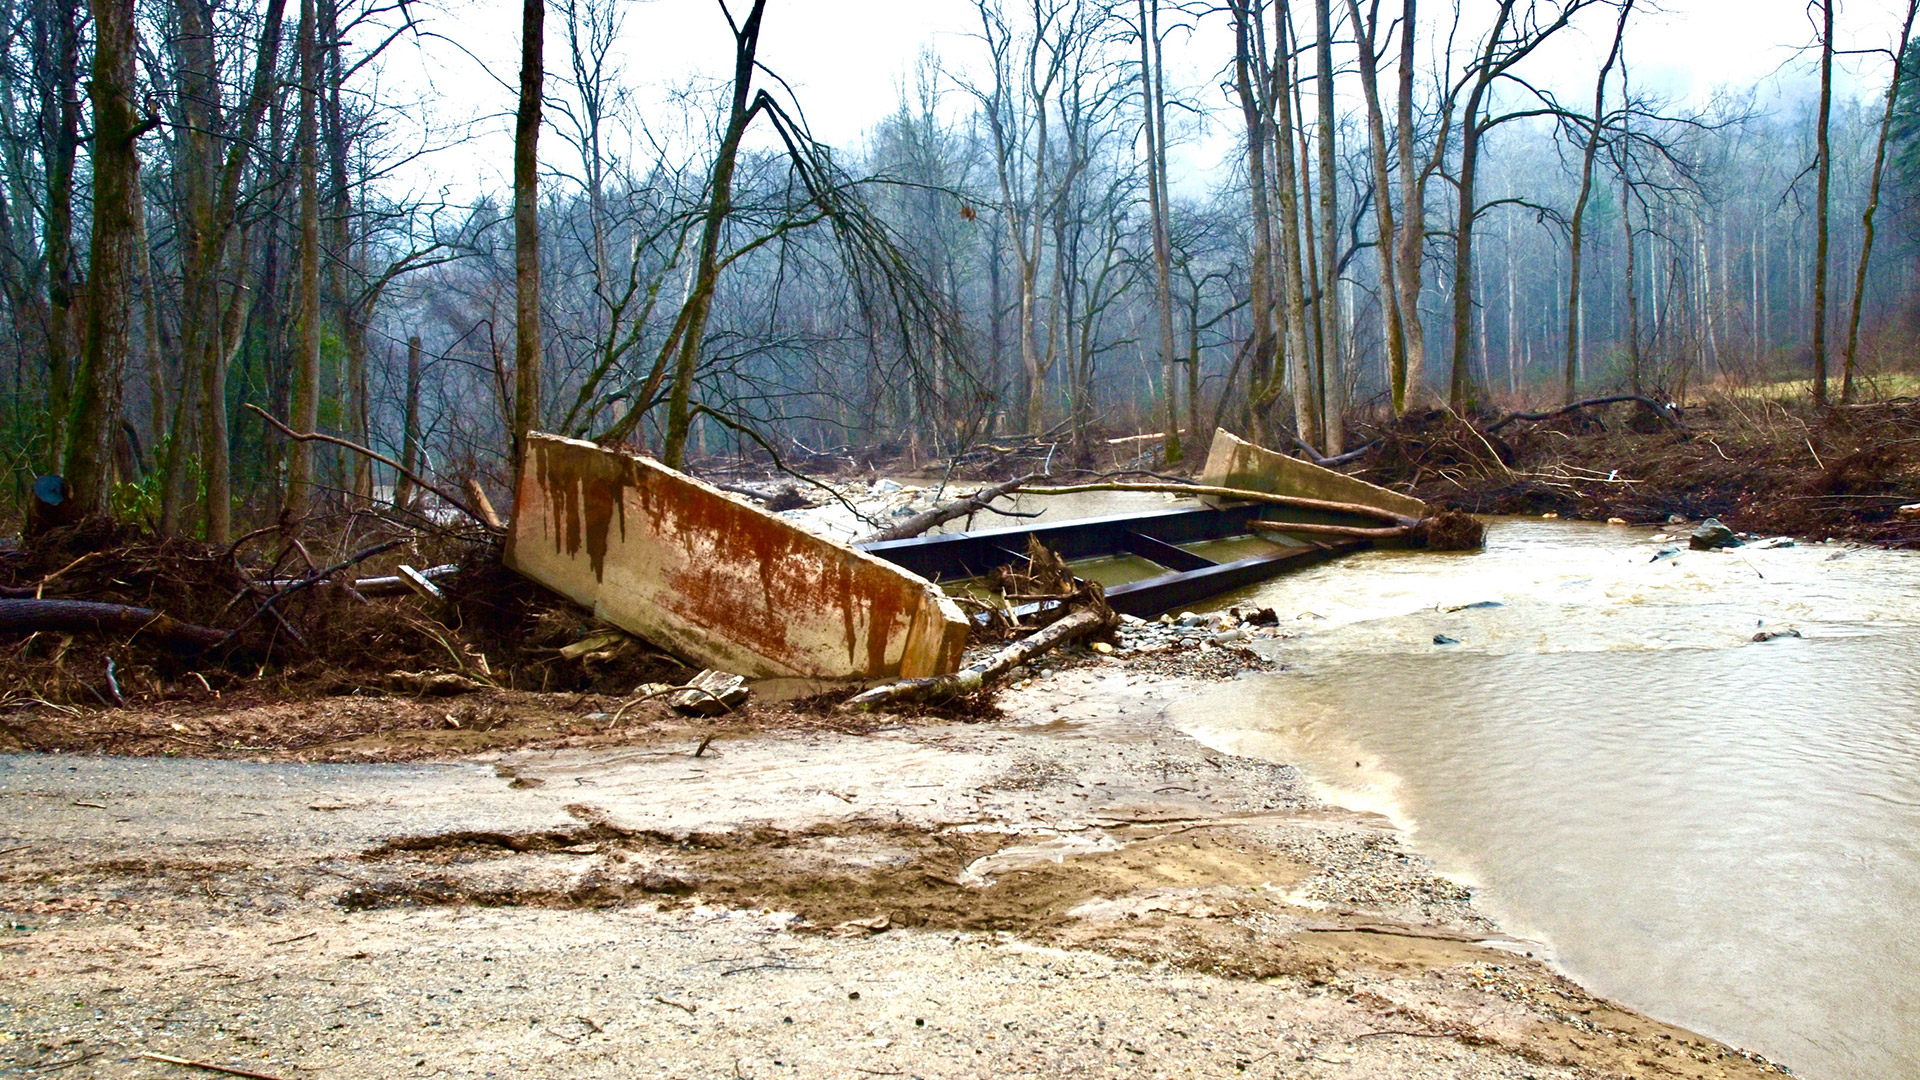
x,y
208,1066
948,511
315,578
446,497
1087,620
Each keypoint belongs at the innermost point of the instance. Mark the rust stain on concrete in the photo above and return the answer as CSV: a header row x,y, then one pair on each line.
x,y
717,579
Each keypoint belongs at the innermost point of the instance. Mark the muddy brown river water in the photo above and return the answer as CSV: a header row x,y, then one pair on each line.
x,y
1721,832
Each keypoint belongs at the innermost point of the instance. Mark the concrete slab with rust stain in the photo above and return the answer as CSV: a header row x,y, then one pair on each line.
x,y
716,579
1236,463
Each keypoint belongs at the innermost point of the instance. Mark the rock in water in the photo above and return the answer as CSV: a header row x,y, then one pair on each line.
x,y
1776,635
1711,535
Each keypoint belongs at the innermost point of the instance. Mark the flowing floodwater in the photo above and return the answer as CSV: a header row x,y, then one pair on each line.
x,y
1719,832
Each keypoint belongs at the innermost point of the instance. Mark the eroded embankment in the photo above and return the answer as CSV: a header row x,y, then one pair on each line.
x,y
1074,890
1761,466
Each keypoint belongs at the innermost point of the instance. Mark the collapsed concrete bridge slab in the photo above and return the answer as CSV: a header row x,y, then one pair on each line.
x,y
717,580
1233,462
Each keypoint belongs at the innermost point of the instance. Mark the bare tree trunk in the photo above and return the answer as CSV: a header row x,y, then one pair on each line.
x,y
1575,302
210,326
403,492
1822,207
116,170
1262,378
1459,386
1333,377
1310,250
1196,437
61,103
1626,223
996,317
1873,203
1391,329
1513,317
156,342
526,227
344,265
1411,249
304,413
746,41
1292,277
1153,98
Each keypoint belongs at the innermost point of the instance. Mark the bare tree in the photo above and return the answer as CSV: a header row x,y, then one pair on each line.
x,y
1873,199
526,227
1250,81
1366,31
1411,244
212,148
1332,379
1293,235
1577,229
699,306
1153,95
1519,28
305,412
1823,166
116,171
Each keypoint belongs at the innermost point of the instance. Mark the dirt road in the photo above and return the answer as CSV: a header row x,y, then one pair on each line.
x,y
1076,890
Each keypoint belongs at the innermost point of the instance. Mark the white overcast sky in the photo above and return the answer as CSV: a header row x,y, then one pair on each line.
x,y
847,59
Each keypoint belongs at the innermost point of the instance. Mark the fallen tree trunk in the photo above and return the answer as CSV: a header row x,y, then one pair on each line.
x,y
1665,412
947,511
1087,620
1350,532
89,617
1297,502
1448,530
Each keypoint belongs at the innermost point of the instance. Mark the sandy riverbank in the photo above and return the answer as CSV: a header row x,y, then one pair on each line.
x,y
1074,889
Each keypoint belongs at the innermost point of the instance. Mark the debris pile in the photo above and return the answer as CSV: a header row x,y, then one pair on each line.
x,y
1759,465
273,618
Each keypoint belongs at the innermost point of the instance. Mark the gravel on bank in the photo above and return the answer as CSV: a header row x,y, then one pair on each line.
x,y
1075,889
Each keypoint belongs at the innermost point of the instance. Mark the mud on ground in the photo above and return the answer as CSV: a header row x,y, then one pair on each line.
x,y
1076,889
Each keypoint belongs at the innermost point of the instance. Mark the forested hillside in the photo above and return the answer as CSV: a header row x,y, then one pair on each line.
x,y
216,211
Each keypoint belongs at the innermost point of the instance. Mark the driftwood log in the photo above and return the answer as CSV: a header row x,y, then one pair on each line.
x,y
1448,530
88,617
1295,501
948,511
1348,532
1081,623
1660,409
